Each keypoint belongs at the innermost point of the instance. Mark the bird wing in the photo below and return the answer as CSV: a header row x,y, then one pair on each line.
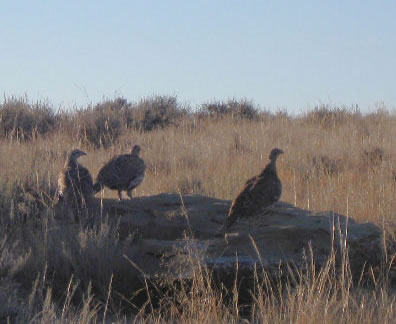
x,y
85,181
109,174
258,192
131,167
243,200
121,171
250,184
266,190
135,182
241,205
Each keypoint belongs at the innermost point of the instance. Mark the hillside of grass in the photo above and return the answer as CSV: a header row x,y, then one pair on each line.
x,y
336,158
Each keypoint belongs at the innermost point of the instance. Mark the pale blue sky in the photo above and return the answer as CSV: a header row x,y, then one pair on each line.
x,y
280,54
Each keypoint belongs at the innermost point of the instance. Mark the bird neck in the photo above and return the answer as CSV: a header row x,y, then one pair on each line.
x,y
71,163
271,166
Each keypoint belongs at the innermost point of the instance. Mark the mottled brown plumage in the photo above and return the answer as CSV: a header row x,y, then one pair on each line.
x,y
122,173
258,192
75,184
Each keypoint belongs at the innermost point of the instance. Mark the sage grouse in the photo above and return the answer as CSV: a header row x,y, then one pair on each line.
x,y
123,173
259,192
75,184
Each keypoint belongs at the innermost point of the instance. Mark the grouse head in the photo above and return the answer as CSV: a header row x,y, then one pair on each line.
x,y
75,154
275,153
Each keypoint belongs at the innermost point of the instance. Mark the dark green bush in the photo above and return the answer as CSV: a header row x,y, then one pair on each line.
x,y
21,120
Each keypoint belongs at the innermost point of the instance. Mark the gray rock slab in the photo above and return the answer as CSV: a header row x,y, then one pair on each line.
x,y
176,232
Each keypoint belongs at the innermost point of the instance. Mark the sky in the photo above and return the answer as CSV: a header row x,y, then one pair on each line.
x,y
289,55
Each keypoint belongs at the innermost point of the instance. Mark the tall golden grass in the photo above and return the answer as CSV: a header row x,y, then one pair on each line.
x,y
334,159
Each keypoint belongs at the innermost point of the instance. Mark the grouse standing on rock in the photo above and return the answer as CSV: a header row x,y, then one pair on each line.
x,y
75,184
259,192
122,173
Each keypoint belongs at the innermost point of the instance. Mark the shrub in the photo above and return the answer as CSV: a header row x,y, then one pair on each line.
x,y
157,112
103,124
119,107
327,165
23,201
328,116
243,109
372,158
21,120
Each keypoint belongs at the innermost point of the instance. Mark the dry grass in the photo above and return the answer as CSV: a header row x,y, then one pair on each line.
x,y
335,160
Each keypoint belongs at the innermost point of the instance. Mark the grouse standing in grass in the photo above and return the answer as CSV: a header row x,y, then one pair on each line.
x,y
75,184
122,173
259,192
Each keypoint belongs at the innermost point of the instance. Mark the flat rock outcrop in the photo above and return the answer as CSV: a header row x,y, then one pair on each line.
x,y
173,232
